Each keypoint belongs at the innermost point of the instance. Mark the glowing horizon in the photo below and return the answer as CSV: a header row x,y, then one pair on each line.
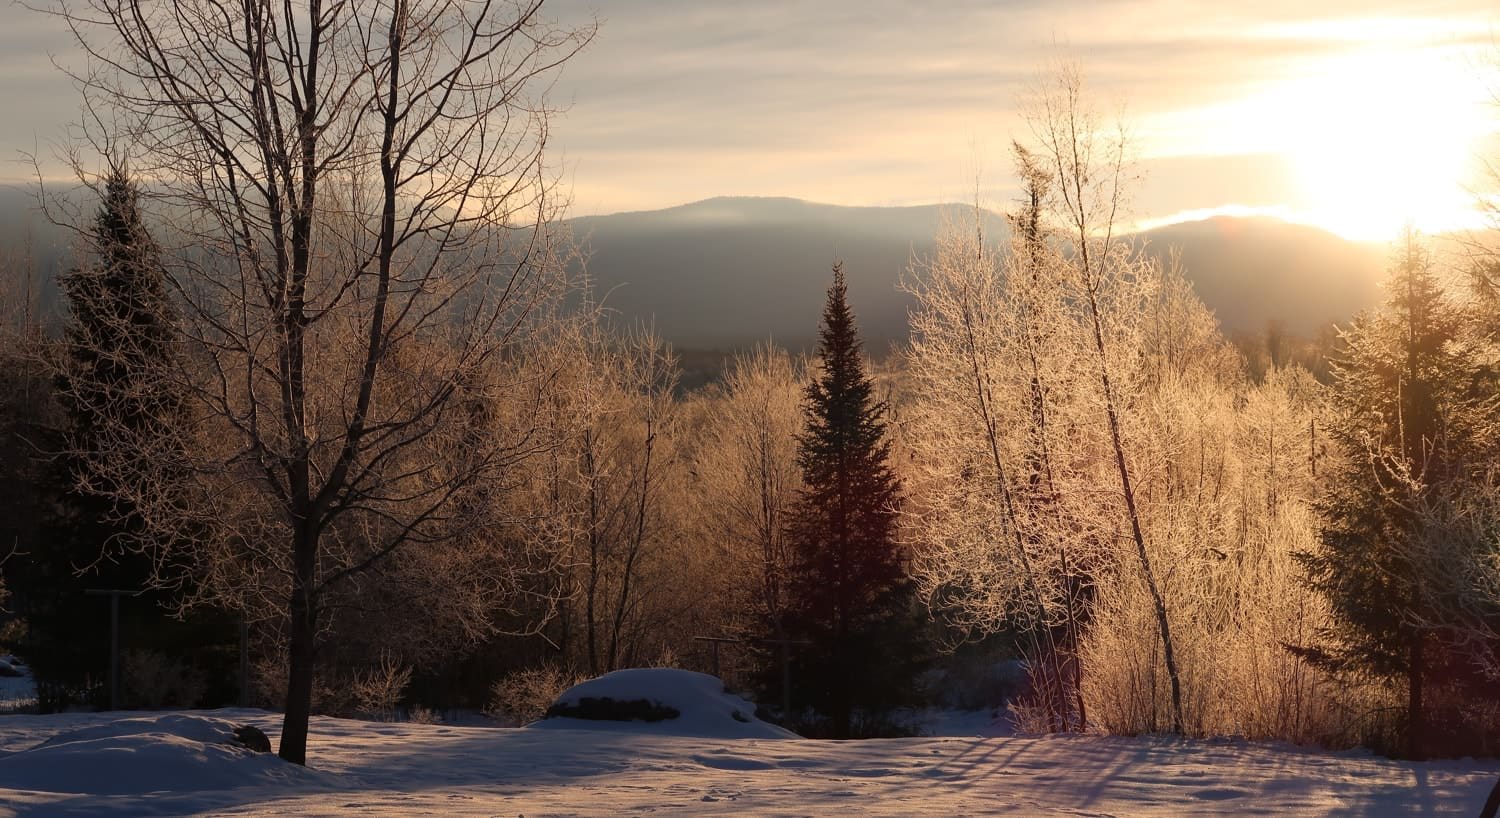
x,y
1385,134
1356,117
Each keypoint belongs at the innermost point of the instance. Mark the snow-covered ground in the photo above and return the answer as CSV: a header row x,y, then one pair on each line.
x,y
17,688
408,769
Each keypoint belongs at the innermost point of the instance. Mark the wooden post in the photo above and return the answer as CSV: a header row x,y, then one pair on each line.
x,y
786,673
715,641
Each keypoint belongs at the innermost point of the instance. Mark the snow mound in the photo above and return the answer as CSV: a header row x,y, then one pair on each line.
x,y
662,701
17,688
173,753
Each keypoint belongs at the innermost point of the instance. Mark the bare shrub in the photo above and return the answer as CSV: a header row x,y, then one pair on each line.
x,y
524,696
153,680
377,692
268,676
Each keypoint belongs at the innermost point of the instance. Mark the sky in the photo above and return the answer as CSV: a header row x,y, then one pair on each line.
x,y
1353,116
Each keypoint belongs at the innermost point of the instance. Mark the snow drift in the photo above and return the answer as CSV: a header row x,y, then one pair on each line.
x,y
663,701
17,688
168,753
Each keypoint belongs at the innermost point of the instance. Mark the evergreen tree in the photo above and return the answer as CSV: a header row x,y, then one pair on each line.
x,y
850,597
1401,404
116,345
118,334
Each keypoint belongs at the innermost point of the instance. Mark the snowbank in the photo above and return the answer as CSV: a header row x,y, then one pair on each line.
x,y
17,688
168,753
703,708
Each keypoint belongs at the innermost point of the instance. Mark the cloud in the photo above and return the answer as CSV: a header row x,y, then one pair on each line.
x,y
885,101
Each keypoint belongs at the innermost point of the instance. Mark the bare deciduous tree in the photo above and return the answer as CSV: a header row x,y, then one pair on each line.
x,y
747,476
618,464
1089,165
354,205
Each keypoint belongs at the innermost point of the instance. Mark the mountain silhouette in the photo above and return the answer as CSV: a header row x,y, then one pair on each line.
x,y
726,272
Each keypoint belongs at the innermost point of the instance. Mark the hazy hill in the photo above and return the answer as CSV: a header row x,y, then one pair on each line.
x,y
725,272
1253,270
29,241
729,271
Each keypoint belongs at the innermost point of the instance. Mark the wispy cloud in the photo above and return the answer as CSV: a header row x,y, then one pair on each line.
x,y
898,101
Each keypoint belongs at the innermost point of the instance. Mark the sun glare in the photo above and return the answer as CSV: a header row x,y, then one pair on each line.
x,y
1383,140
1377,136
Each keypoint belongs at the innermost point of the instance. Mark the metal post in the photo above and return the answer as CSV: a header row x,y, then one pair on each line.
x,y
114,651
786,681
114,595
244,661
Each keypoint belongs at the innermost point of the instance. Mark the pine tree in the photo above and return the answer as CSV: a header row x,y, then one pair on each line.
x,y
117,342
119,334
1399,421
850,597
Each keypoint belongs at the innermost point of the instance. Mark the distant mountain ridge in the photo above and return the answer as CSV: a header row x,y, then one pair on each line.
x,y
728,271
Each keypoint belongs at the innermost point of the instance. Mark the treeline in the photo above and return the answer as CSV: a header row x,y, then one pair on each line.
x,y
1068,463
592,515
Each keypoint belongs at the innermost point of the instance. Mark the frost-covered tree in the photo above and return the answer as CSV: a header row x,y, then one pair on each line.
x,y
992,381
746,472
1090,467
358,200
1403,412
626,461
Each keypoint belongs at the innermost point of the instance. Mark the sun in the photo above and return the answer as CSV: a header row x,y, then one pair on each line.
x,y
1388,129
1383,139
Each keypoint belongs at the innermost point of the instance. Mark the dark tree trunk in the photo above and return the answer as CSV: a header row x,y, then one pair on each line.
x,y
843,711
301,652
1415,718
1491,804
1163,623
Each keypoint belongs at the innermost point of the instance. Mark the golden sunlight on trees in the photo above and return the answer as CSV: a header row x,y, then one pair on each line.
x,y
1091,466
333,369
746,470
355,203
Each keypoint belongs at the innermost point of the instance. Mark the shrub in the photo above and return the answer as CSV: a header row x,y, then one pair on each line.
x,y
153,680
524,696
377,692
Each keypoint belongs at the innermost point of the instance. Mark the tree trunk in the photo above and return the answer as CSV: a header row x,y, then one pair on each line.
x,y
1415,719
1491,804
1163,624
641,513
590,621
843,708
301,653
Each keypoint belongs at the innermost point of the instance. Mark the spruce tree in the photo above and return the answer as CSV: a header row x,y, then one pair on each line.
x,y
850,597
116,344
1400,400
